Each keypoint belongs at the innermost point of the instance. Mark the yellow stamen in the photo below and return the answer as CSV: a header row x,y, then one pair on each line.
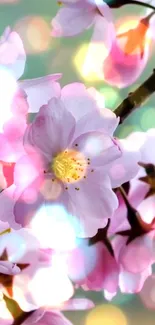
x,y
6,231
66,166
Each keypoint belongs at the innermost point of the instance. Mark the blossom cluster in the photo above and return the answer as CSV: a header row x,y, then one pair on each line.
x,y
77,204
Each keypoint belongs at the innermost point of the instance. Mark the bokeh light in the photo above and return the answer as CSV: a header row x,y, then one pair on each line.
x,y
106,314
147,119
127,129
35,33
50,286
86,62
122,298
111,95
54,227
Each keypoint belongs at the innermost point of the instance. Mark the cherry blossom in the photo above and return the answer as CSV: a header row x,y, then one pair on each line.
x,y
74,17
12,66
63,133
135,250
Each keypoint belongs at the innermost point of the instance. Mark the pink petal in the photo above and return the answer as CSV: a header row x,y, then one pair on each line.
x,y
98,147
52,129
138,255
119,218
31,165
147,294
105,272
133,283
7,205
122,70
96,121
12,53
7,153
79,100
147,210
93,203
28,202
126,167
71,21
47,87
78,304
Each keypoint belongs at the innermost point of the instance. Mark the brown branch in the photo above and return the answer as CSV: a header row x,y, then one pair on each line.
x,y
136,98
19,315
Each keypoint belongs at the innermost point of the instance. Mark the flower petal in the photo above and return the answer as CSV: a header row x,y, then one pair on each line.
x,y
7,205
49,317
92,204
12,53
122,70
138,255
132,283
51,130
79,100
71,21
95,121
126,167
99,148
40,90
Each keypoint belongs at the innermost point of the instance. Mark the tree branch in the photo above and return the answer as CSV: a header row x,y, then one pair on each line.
x,y
136,98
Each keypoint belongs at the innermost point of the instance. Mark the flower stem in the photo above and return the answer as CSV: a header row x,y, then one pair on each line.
x,y
136,98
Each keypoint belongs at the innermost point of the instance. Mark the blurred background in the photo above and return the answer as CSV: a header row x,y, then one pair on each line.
x,y
45,55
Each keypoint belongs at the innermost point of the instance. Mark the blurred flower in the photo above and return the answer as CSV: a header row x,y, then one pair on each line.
x,y
102,274
76,16
127,60
25,275
49,317
12,64
134,245
14,98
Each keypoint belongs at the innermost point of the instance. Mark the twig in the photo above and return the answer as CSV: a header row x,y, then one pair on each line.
x,y
136,98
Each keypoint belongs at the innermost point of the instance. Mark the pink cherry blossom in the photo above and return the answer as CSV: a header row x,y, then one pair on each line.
x,y
12,61
18,100
123,66
126,59
137,256
36,282
76,16
101,274
63,130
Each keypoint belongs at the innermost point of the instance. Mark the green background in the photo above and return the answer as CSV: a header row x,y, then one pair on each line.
x,y
59,58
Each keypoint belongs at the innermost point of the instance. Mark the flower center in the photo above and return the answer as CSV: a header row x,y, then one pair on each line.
x,y
69,166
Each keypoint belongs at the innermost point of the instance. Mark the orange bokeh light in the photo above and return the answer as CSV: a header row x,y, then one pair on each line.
x,y
35,33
